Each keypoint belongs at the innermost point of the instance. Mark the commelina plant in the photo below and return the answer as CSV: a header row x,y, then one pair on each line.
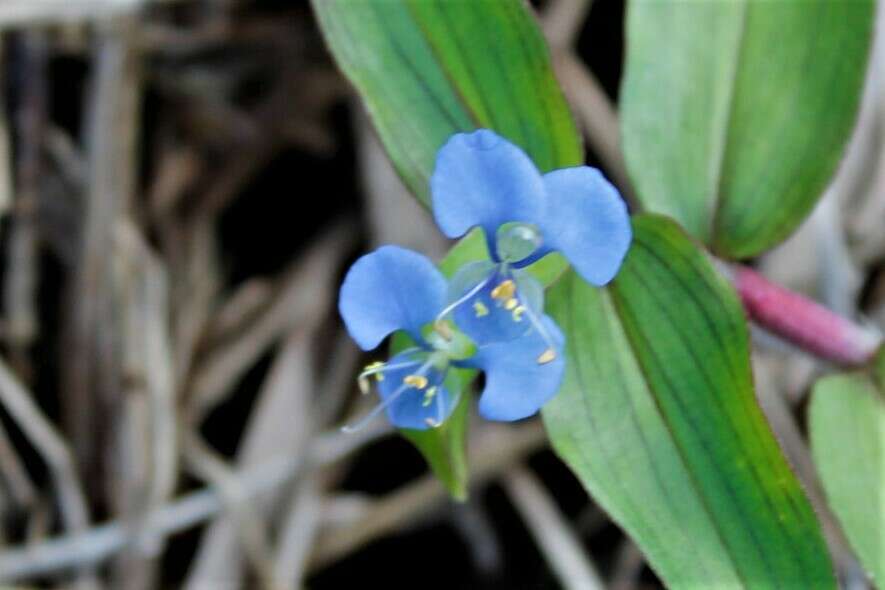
x,y
490,316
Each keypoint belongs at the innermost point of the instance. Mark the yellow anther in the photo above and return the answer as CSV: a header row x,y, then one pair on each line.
x,y
379,376
511,304
480,308
443,328
517,313
416,381
428,396
364,385
546,356
504,291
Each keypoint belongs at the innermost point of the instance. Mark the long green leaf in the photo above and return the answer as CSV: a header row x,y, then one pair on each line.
x,y
735,114
445,448
657,417
847,424
429,68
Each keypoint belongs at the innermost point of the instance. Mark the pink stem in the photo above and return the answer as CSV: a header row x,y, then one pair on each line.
x,y
803,322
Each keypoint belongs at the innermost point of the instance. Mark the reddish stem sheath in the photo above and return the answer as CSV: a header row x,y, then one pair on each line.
x,y
803,322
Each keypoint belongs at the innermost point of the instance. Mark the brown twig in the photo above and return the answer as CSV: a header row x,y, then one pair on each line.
x,y
597,116
303,293
628,567
246,525
22,491
20,287
281,421
92,363
149,449
18,402
563,20
102,542
491,454
556,540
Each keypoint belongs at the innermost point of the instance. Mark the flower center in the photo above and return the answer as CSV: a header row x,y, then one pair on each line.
x,y
493,303
517,241
449,344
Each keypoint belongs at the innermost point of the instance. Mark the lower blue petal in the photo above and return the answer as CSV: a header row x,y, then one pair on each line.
x,y
415,407
587,220
516,385
387,290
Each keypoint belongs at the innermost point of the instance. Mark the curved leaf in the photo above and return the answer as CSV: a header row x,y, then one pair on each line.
x,y
847,424
429,68
735,114
657,417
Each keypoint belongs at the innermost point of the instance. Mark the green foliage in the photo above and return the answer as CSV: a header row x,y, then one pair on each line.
x,y
734,114
847,424
429,68
657,417
445,448
734,118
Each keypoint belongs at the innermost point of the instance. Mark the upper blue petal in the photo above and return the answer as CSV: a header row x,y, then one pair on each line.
x,y
586,219
482,179
414,407
387,290
516,386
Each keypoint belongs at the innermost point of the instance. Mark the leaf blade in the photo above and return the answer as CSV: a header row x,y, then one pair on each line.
x,y
428,68
760,100
719,502
847,426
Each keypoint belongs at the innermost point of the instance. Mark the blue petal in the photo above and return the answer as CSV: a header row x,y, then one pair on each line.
x,y
482,179
516,385
485,319
413,407
586,219
387,290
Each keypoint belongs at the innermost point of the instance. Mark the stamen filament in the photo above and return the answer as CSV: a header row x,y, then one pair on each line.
x,y
460,301
550,352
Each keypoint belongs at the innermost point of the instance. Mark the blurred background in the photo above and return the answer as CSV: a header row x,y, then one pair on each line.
x,y
182,185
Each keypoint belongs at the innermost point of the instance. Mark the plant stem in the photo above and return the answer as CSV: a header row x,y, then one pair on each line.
x,y
803,322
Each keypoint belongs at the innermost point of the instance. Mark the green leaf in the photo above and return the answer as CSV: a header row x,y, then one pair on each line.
x,y
429,68
657,418
847,424
735,114
445,448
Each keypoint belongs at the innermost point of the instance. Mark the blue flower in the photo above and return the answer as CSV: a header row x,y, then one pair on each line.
x,y
481,179
393,289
